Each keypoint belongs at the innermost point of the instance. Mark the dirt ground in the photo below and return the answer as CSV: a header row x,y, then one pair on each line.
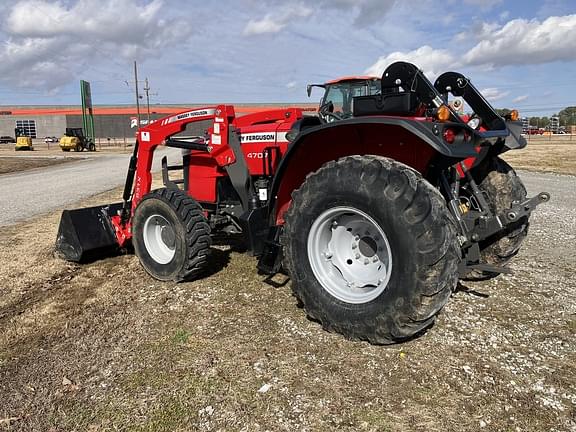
x,y
50,154
104,347
546,155
14,164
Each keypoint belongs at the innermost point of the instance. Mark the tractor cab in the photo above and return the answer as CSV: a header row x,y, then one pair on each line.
x,y
337,101
74,132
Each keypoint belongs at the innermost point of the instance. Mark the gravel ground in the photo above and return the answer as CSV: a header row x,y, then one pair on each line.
x,y
103,347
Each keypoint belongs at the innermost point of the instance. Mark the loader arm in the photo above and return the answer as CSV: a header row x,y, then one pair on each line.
x,y
160,133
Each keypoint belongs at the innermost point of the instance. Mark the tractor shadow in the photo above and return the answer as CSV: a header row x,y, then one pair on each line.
x,y
223,246
218,260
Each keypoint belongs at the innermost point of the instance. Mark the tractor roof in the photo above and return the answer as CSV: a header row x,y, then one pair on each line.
x,y
352,78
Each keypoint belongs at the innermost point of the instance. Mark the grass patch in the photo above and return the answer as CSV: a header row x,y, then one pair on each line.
x,y
181,336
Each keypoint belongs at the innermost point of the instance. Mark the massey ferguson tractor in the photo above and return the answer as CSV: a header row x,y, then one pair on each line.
x,y
375,207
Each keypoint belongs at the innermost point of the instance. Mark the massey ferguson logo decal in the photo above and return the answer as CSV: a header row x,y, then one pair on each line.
x,y
258,137
189,114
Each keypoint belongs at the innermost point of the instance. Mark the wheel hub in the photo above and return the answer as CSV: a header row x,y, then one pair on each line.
x,y
368,246
159,239
349,254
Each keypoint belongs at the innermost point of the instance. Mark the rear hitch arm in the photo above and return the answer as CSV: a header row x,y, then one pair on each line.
x,y
520,210
488,226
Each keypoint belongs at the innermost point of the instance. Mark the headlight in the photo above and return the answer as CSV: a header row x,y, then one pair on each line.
x,y
474,122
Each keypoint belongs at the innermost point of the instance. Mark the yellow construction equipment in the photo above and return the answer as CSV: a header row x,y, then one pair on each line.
x,y
23,142
74,139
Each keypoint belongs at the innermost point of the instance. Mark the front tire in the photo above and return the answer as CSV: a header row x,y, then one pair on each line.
x,y
502,187
171,235
391,256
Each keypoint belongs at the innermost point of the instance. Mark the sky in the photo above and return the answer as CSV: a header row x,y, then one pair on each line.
x,y
521,54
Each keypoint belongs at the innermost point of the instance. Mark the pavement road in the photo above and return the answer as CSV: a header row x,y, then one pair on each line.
x,y
29,193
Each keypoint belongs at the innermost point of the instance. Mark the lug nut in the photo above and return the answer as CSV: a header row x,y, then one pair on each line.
x,y
357,256
354,245
366,261
356,237
375,259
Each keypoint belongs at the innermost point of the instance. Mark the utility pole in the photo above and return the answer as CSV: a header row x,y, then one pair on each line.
x,y
147,90
137,96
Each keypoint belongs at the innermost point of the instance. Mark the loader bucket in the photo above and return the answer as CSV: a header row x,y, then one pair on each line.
x,y
87,234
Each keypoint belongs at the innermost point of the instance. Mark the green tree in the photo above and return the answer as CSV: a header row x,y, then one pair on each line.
x,y
568,116
502,111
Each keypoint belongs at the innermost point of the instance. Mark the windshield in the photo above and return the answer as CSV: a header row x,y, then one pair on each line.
x,y
341,94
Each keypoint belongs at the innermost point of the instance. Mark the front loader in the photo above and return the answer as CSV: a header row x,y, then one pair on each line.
x,y
374,212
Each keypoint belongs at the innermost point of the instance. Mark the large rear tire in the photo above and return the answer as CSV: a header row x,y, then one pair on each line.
x,y
371,249
502,187
171,235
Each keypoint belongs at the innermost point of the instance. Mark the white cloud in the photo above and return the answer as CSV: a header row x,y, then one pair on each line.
x,y
483,4
275,22
517,42
265,25
431,61
521,98
527,42
493,94
291,85
48,43
367,12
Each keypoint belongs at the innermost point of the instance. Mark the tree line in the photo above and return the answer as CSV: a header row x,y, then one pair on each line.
x,y
567,117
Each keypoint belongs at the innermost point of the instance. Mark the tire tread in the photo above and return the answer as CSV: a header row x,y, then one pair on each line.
x,y
439,265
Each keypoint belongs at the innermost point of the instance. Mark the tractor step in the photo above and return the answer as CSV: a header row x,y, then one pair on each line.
x,y
270,261
171,184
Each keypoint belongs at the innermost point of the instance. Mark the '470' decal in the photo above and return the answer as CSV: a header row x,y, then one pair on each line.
x,y
255,155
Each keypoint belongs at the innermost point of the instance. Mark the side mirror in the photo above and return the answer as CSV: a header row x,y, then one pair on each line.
x,y
309,89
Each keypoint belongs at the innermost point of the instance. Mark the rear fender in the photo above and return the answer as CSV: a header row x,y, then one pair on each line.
x,y
414,143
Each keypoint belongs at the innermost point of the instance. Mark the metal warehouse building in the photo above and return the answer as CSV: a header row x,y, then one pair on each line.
x,y
109,121
40,122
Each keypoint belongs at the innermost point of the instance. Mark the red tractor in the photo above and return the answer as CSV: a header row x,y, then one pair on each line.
x,y
375,207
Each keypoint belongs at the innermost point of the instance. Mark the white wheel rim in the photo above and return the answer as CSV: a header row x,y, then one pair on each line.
x,y
349,254
159,239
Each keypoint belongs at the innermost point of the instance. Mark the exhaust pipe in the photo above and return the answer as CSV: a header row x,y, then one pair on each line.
x,y
87,234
